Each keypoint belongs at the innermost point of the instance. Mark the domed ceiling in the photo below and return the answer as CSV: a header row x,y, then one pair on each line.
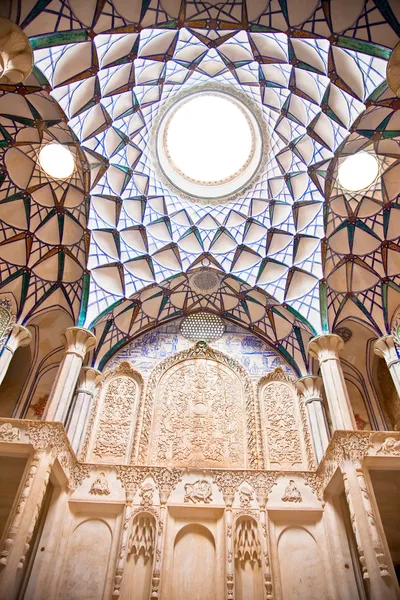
x,y
293,253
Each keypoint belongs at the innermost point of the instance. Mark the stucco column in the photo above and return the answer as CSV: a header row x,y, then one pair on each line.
x,y
374,562
82,403
310,387
326,349
19,336
77,341
386,348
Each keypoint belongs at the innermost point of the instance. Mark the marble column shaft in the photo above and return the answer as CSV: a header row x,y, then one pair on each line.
x,y
19,336
310,387
386,348
326,348
82,404
77,341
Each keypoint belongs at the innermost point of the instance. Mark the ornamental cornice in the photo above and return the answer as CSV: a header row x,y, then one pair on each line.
x,y
344,447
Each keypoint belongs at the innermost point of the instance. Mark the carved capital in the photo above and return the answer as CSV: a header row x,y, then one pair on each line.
x,y
78,340
19,336
326,347
385,348
88,380
16,55
310,387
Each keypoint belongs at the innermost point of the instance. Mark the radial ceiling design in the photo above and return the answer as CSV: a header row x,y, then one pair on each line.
x,y
43,239
315,71
309,93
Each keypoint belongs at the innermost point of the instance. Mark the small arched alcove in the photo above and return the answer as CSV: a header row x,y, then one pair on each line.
x,y
194,564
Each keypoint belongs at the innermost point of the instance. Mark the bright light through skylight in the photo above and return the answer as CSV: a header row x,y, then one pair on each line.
x,y
209,139
57,161
358,171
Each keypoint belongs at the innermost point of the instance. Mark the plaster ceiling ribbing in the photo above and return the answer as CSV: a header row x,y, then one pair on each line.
x,y
315,72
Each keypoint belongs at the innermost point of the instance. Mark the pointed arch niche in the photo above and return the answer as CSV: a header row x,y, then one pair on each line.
x,y
285,430
112,425
200,411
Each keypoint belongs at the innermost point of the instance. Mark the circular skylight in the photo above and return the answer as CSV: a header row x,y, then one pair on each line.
x,y
202,326
187,139
358,171
209,144
57,161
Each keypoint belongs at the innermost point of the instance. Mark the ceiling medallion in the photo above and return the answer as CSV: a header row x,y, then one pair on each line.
x,y
209,144
204,282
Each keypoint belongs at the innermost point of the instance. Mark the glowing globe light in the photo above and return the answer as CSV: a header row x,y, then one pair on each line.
x,y
358,171
57,161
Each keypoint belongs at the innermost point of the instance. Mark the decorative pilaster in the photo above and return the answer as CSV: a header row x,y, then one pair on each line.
x,y
354,525
262,501
19,336
15,523
77,342
385,348
230,585
88,380
326,349
36,513
119,570
310,387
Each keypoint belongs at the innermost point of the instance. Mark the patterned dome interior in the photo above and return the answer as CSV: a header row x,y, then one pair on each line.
x,y
290,255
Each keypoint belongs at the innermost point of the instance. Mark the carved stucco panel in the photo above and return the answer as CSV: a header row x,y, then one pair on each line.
x,y
113,422
284,444
199,417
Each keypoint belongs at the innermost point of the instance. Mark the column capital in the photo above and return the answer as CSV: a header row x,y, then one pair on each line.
x,y
326,347
19,336
385,348
78,340
310,387
88,379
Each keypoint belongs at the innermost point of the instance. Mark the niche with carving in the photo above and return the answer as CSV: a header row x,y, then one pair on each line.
x,y
247,552
200,412
286,436
113,422
136,582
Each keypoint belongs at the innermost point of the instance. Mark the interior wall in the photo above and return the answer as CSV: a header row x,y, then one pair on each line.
x,y
11,471
15,380
147,350
47,353
355,359
386,485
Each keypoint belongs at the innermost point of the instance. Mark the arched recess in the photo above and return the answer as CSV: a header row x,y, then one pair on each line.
x,y
200,411
247,552
14,381
113,421
194,568
302,576
47,353
355,358
285,430
86,564
136,582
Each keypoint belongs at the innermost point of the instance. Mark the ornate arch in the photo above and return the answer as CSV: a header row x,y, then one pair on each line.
x,y
286,437
198,351
113,423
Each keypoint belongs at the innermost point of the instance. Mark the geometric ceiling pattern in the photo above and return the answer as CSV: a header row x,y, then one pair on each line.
x,y
43,236
293,253
142,232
